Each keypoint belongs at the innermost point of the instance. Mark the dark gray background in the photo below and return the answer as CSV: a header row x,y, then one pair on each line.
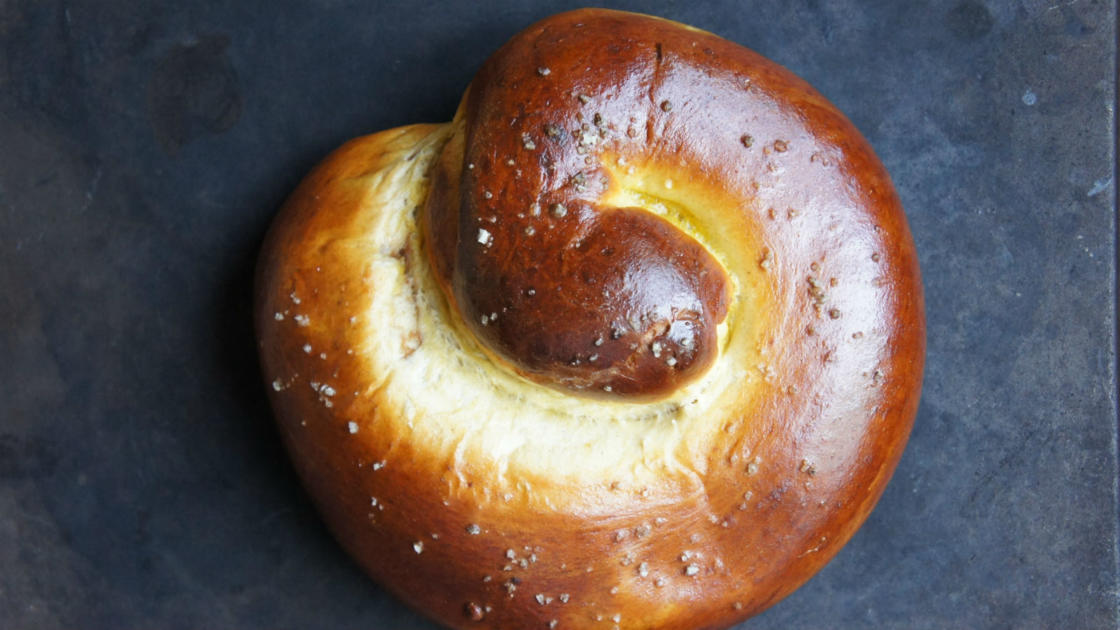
x,y
145,146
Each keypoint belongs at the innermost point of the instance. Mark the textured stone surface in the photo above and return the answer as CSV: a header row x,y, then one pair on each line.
x,y
146,146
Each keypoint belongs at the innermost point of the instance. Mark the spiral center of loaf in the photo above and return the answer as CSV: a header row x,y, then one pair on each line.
x,y
606,300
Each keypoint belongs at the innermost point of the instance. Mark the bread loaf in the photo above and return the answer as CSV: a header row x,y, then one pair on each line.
x,y
634,341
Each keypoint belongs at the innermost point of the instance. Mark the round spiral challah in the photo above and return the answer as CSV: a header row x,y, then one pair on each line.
x,y
635,341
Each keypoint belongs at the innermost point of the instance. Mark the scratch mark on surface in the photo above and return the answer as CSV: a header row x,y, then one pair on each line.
x,y
91,190
1062,4
1099,186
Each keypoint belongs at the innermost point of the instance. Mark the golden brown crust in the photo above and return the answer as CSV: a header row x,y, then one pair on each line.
x,y
693,512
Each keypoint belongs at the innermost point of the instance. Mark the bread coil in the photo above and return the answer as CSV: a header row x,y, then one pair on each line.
x,y
634,341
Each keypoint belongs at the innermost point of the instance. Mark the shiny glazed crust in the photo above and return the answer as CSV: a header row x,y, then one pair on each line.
x,y
486,500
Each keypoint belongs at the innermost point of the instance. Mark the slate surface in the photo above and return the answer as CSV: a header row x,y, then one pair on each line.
x,y
146,145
